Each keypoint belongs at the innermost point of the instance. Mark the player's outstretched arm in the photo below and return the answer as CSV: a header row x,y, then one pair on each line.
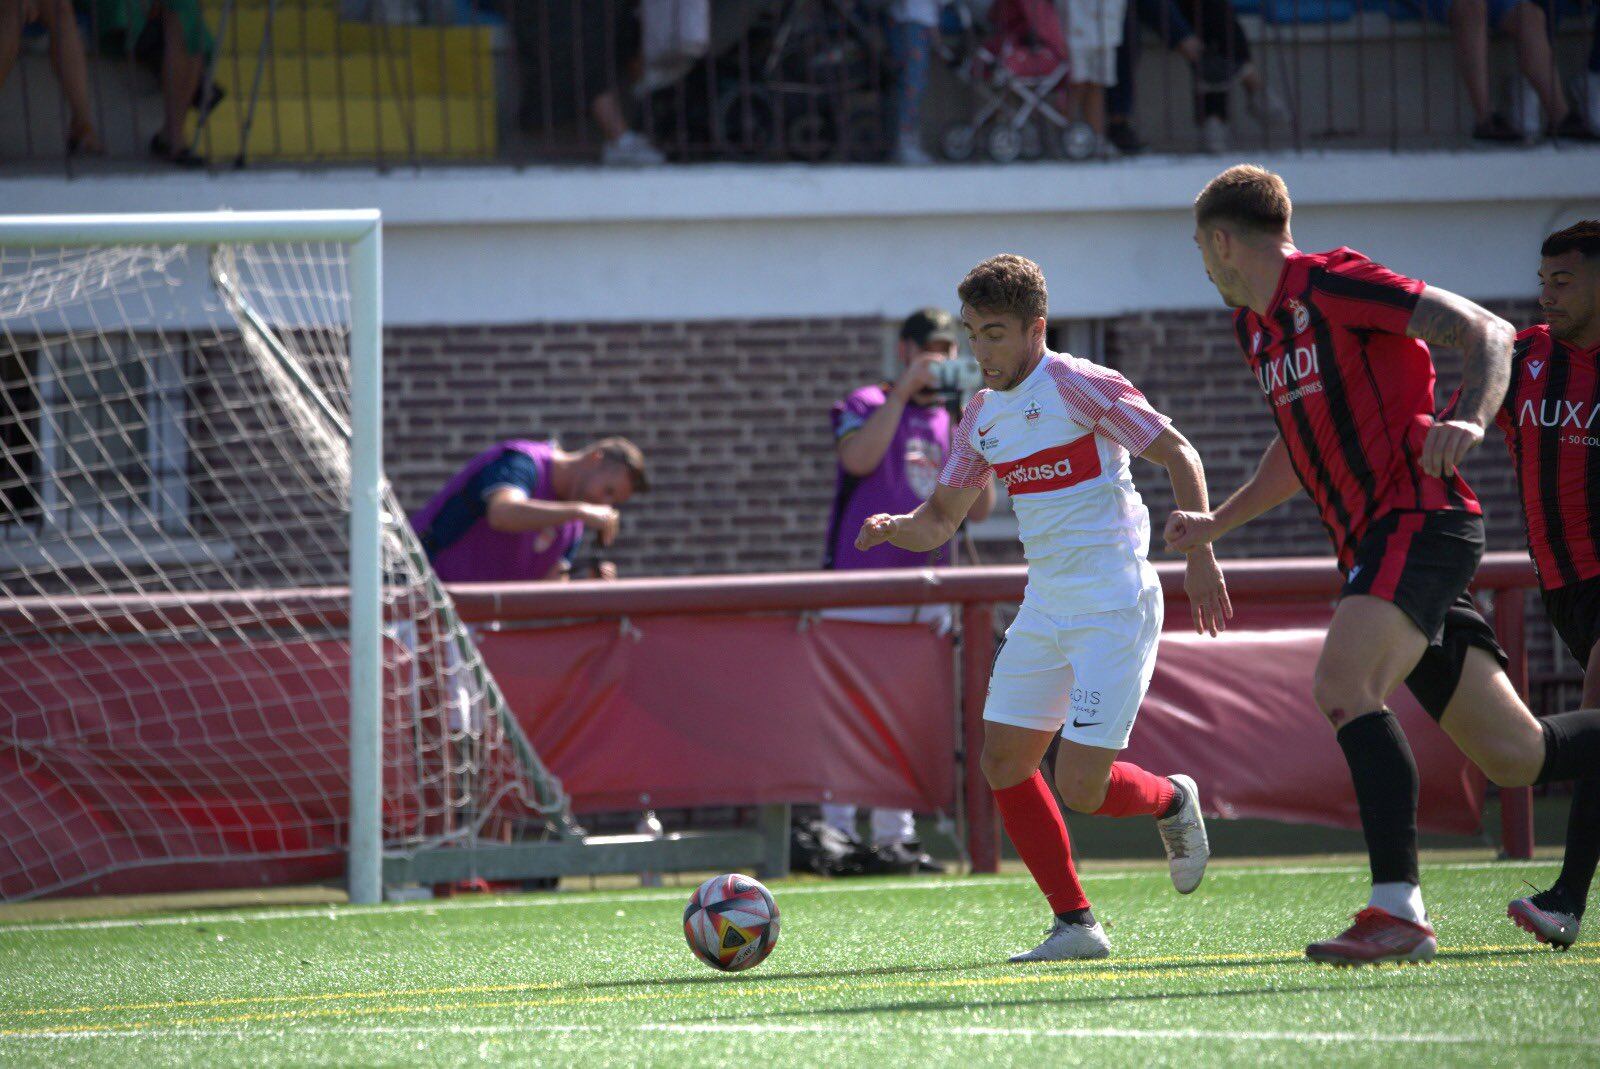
x,y
1485,340
1273,483
1209,606
926,529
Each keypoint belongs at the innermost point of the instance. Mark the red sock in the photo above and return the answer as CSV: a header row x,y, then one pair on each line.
x,y
1034,823
1133,792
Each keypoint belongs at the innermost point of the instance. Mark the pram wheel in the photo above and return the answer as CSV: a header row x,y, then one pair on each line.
x,y
1003,143
958,142
746,123
1078,141
810,135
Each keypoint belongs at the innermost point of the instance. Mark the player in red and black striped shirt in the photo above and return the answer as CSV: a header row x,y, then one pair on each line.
x,y
1551,418
1339,346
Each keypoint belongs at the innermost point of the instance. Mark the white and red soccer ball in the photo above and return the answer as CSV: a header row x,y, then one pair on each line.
x,y
731,922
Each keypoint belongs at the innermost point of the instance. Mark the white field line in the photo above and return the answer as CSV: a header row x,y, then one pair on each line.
x,y
674,894
699,1028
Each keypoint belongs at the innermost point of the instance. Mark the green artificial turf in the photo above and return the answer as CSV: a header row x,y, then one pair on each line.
x,y
887,972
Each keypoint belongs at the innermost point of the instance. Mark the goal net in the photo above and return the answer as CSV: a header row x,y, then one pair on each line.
x,y
175,563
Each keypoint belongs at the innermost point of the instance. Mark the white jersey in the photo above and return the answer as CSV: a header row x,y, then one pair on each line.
x,y
1060,442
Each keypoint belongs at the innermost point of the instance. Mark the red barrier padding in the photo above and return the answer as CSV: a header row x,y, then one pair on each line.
x,y
1236,713
728,710
122,767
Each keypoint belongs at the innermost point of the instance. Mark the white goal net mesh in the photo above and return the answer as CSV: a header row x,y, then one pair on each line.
x,y
174,554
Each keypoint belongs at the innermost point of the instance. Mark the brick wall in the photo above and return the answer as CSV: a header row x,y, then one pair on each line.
x,y
732,417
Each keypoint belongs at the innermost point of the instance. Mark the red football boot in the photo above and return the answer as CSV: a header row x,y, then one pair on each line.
x,y
1377,936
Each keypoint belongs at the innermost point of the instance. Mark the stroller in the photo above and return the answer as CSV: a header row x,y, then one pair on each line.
x,y
799,80
1017,69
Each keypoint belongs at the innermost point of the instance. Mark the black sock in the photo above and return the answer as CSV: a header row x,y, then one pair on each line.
x,y
1571,746
1179,797
1077,916
1385,776
1583,844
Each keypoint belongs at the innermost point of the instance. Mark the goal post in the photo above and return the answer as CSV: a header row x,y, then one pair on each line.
x,y
362,231
221,641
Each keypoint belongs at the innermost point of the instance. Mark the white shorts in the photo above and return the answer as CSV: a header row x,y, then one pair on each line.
x,y
1094,30
1083,675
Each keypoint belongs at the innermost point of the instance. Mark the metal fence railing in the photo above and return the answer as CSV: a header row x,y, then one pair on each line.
x,y
105,84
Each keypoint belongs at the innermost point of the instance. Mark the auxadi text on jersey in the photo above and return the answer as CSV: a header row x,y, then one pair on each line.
x,y
1558,413
1295,372
1051,469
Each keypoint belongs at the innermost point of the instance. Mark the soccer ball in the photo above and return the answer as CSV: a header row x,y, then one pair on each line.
x,y
731,922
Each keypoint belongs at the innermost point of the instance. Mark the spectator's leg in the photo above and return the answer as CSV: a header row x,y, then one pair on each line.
x,y
606,109
1592,76
181,71
1094,108
912,46
1469,33
1119,98
10,38
892,826
71,67
840,818
1527,26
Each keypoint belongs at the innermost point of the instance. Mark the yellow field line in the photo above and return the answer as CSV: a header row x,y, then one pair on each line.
x,y
1055,976
1124,967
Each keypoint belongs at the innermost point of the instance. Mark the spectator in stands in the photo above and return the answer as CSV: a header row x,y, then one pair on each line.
x,y
1591,78
913,30
518,510
66,59
892,440
1207,33
171,36
1094,33
594,48
1524,21
1165,19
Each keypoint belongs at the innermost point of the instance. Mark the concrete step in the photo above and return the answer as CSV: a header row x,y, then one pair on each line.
x,y
295,127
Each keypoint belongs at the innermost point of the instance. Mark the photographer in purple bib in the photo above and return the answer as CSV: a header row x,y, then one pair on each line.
x,y
891,441
520,509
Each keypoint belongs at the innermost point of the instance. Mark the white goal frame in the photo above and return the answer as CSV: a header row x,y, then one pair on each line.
x,y
362,231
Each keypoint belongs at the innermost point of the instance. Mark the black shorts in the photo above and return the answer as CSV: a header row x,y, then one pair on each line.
x,y
1422,562
1574,609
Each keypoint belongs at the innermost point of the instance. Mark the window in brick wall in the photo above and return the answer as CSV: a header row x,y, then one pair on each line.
x,y
92,433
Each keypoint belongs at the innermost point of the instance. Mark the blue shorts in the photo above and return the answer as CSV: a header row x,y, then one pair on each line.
x,y
1439,10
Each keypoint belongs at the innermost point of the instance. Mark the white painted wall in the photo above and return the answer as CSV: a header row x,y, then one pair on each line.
x,y
487,246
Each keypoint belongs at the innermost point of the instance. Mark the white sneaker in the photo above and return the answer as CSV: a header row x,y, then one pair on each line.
x,y
911,154
1214,135
631,150
1183,835
1268,108
1069,942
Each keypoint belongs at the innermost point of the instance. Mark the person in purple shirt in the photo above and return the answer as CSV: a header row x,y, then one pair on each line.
x,y
892,440
518,510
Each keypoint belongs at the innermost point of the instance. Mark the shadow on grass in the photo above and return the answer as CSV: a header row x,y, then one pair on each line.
x,y
761,976
1331,981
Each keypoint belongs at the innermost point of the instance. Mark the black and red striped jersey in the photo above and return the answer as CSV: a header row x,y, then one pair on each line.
x,y
1351,393
1551,417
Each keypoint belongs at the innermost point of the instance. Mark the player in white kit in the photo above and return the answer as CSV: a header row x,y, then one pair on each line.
x,y
1058,432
